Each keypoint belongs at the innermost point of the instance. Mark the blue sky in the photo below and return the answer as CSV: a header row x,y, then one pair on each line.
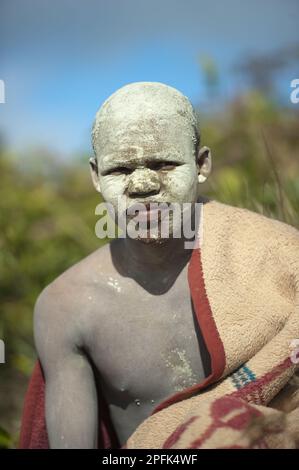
x,y
61,59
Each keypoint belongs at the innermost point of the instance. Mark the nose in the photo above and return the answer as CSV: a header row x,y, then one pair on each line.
x,y
143,182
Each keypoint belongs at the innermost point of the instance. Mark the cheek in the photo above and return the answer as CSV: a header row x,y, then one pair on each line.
x,y
181,184
112,188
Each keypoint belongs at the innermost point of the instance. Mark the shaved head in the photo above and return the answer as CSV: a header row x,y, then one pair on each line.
x,y
143,102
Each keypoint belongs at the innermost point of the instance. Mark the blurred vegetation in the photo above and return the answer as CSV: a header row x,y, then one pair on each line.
x,y
47,218
255,145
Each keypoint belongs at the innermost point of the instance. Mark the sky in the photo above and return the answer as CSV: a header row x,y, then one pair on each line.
x,y
61,59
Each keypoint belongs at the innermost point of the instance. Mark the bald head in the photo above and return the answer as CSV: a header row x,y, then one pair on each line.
x,y
136,107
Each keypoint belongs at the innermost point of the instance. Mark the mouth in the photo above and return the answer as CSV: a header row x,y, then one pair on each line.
x,y
149,211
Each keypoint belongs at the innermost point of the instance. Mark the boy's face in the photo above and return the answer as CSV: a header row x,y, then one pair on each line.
x,y
147,161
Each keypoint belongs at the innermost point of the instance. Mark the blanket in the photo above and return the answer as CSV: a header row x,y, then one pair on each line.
x,y
244,283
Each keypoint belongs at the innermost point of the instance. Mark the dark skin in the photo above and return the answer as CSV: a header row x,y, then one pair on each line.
x,y
121,320
164,354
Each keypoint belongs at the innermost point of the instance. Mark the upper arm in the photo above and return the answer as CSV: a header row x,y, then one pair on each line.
x,y
71,397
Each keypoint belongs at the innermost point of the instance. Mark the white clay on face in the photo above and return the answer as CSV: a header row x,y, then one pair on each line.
x,y
141,121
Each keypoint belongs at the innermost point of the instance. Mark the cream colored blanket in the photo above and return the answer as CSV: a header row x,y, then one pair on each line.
x,y
244,283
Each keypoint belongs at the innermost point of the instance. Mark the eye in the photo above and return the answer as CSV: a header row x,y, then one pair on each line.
x,y
121,170
163,166
168,167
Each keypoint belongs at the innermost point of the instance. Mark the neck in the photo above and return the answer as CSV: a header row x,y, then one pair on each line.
x,y
154,264
155,267
155,256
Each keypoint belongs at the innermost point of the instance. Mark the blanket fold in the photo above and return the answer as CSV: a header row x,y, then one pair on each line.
x,y
248,267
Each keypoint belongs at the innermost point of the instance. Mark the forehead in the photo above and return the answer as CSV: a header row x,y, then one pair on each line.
x,y
145,138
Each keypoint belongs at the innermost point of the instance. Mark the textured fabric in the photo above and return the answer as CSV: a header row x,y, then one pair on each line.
x,y
232,423
244,282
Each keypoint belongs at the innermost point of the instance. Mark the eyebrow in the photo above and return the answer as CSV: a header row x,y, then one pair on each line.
x,y
113,164
112,161
148,164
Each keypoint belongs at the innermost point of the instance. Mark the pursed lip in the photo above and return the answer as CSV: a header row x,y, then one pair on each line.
x,y
146,211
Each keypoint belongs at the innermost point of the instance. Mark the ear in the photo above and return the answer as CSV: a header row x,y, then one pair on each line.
x,y
94,171
204,163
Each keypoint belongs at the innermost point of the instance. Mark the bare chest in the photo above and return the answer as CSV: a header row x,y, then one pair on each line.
x,y
145,348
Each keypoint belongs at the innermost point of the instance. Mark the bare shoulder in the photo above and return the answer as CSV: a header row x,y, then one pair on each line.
x,y
62,306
